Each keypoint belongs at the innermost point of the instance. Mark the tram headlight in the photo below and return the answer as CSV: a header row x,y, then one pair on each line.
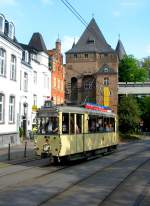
x,y
46,147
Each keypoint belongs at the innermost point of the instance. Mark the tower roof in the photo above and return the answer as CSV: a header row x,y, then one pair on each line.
x,y
92,40
120,50
37,42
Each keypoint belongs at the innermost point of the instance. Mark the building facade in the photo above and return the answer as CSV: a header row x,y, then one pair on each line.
x,y
24,82
57,69
92,70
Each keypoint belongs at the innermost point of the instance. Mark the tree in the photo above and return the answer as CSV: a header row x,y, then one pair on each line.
x,y
130,70
146,113
129,114
146,65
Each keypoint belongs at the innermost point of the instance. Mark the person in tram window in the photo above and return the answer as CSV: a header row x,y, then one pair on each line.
x,y
64,127
77,129
55,125
93,126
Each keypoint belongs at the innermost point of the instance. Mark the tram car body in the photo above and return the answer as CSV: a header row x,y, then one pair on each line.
x,y
71,132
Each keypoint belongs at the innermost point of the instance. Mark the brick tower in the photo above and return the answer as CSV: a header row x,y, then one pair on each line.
x,y
92,70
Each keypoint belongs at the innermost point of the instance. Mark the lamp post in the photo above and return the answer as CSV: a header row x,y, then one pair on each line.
x,y
25,106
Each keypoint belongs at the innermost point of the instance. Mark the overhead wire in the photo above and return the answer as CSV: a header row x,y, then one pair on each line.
x,y
73,10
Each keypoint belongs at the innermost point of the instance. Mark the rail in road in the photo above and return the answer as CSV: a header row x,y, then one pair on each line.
x,y
97,177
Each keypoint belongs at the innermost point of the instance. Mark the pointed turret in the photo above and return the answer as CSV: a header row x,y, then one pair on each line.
x,y
120,50
92,40
37,42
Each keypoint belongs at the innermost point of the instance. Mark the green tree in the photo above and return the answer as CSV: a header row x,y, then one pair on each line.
x,y
146,65
146,113
130,70
129,114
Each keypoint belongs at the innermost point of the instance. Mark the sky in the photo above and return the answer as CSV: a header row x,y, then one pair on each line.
x,y
129,19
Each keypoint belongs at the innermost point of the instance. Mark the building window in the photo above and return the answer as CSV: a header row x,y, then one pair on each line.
x,y
35,77
11,30
106,70
45,80
20,80
106,81
54,99
88,85
2,23
25,82
11,109
54,82
2,62
1,108
26,56
75,55
58,82
13,68
62,86
35,100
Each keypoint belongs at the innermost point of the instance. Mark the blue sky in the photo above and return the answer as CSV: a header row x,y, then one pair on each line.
x,y
129,18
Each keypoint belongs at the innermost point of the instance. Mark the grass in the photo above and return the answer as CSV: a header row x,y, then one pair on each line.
x,y
129,137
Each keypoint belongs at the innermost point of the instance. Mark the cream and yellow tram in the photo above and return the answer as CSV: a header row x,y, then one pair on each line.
x,y
70,132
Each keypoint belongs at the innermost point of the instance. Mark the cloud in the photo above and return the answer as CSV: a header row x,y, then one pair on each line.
x,y
67,43
129,3
47,2
8,2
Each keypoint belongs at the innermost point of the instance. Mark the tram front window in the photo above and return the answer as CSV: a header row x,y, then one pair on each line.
x,y
48,125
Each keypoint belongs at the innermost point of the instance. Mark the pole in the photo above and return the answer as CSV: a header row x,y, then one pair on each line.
x,y
25,150
9,151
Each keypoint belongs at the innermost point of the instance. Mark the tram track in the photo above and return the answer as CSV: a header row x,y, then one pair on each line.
x,y
29,167
57,170
106,201
93,174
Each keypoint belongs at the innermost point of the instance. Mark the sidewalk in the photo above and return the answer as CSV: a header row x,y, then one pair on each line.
x,y
17,151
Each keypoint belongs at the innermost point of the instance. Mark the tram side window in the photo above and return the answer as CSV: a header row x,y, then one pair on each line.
x,y
72,121
92,124
112,125
99,124
109,124
78,124
48,125
65,123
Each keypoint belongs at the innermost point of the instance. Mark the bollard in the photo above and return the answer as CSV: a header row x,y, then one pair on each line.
x,y
25,150
9,151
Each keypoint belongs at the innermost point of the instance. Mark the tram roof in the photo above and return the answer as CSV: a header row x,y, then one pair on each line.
x,y
73,109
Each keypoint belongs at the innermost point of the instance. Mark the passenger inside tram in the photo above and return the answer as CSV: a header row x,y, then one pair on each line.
x,y
48,125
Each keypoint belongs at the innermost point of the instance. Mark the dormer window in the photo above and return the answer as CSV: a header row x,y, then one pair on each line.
x,y
91,41
11,30
2,23
26,56
106,70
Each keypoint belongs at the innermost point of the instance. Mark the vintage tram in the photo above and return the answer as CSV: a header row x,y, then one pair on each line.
x,y
71,132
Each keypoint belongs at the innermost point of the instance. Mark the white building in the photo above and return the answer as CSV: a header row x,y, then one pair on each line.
x,y
35,86
24,82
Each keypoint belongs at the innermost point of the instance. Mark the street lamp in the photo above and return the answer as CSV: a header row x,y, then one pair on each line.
x,y
25,106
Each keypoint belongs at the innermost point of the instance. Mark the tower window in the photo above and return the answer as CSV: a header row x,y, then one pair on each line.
x,y
106,81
